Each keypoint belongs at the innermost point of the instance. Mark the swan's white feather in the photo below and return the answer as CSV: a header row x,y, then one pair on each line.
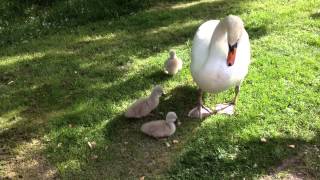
x,y
209,52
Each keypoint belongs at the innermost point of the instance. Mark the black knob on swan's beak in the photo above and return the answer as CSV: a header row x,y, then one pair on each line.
x,y
230,64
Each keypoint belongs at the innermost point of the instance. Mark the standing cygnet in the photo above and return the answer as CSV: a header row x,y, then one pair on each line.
x,y
142,107
161,128
173,64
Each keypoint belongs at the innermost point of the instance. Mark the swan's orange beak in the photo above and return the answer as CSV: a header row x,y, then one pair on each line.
x,y
231,56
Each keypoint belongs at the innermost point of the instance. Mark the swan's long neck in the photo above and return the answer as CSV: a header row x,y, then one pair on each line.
x,y
218,35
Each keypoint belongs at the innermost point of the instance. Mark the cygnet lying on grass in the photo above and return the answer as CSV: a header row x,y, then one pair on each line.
x,y
173,64
161,128
143,106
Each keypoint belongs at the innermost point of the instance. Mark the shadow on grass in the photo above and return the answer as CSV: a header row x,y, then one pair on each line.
x,y
257,32
180,100
158,76
27,20
144,31
315,15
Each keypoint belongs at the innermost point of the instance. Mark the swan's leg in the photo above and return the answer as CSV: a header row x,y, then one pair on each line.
x,y
200,111
236,92
200,101
229,108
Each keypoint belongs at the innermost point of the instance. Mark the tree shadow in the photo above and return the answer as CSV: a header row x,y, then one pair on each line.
x,y
60,15
257,32
180,100
146,27
315,15
158,76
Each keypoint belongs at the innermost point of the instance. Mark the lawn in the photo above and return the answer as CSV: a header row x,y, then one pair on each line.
x,y
69,86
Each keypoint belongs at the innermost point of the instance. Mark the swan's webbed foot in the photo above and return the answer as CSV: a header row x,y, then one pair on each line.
x,y
225,108
200,112
228,108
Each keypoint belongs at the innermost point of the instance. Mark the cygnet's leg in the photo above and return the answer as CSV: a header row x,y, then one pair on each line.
x,y
200,111
229,108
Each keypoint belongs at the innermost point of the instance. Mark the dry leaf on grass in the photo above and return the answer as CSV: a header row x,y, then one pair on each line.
x,y
59,145
292,146
168,144
175,141
264,140
92,144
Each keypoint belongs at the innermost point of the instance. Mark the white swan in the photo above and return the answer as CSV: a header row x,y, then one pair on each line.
x,y
220,59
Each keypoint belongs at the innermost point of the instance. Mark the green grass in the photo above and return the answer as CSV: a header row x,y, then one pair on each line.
x,y
86,76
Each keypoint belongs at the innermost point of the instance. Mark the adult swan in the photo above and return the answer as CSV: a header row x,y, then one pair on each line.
x,y
220,60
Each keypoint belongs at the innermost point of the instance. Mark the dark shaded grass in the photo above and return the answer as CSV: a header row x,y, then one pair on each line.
x,y
31,19
315,15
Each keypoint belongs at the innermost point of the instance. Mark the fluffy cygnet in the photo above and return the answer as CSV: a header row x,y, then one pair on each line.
x,y
161,128
142,107
173,64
